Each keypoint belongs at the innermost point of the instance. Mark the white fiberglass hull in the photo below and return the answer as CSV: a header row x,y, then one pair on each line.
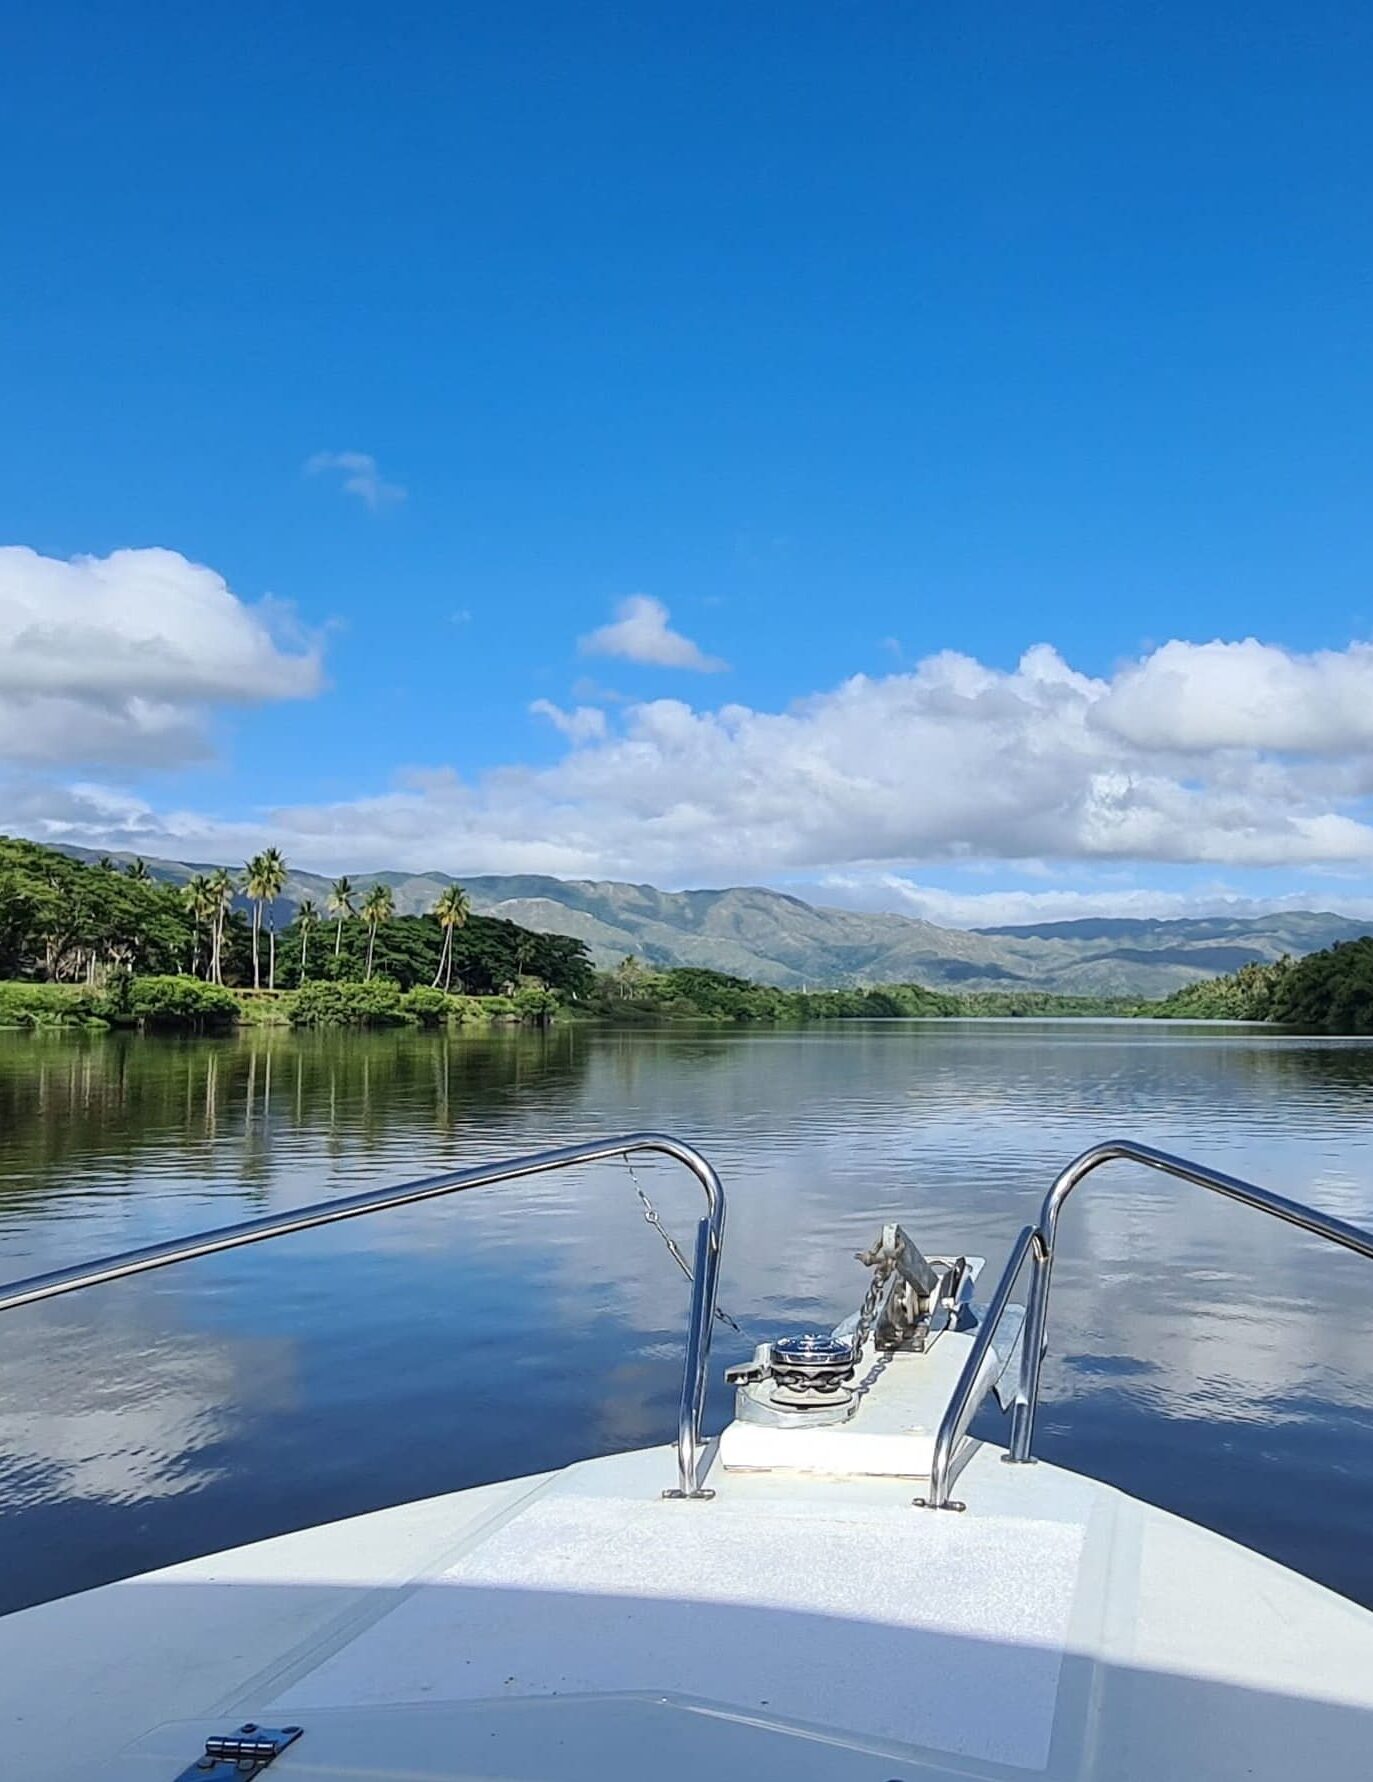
x,y
578,1624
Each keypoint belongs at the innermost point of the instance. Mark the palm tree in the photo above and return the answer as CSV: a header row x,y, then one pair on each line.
x,y
341,895
138,869
252,884
452,910
306,915
378,906
263,879
196,894
274,865
220,894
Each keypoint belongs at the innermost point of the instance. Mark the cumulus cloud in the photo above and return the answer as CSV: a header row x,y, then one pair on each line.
x,y
952,762
584,723
116,658
1246,695
360,475
641,633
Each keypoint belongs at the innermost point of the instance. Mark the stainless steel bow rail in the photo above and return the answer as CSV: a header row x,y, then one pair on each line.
x,y
709,1237
1036,1245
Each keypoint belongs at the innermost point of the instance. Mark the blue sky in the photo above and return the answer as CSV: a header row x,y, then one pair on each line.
x,y
848,336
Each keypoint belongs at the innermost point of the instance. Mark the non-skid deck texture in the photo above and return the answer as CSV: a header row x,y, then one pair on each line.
x,y
891,1621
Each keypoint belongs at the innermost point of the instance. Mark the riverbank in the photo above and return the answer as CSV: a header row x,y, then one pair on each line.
x,y
1330,991
187,1004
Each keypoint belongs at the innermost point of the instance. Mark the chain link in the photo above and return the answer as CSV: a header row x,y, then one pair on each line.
x,y
867,1312
674,1249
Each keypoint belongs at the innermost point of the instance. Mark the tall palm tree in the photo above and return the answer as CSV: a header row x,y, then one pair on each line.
x,y
220,896
452,909
263,879
195,894
252,883
341,895
274,864
307,915
378,906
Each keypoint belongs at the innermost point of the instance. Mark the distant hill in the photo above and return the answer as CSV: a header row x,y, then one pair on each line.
x,y
777,939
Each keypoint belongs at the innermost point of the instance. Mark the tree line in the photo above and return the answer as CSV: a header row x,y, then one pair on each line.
x,y
67,921
1331,991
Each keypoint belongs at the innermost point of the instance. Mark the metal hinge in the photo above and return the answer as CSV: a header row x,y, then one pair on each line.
x,y
238,1756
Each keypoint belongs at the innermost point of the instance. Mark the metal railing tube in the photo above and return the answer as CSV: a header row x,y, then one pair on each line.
x,y
704,1277
710,1236
958,1414
1263,1200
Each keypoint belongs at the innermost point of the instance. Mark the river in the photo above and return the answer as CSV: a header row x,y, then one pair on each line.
x,y
1201,1356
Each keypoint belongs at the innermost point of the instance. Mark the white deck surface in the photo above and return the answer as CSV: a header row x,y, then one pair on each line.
x,y
1056,1628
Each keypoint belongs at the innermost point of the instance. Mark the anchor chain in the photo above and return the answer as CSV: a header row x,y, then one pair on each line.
x,y
654,1218
867,1312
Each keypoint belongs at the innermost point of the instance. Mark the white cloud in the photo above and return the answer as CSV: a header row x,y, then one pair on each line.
x,y
1246,695
115,658
641,633
952,763
992,909
361,476
584,723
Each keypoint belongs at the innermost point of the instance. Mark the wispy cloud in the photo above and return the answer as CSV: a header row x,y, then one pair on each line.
x,y
361,476
641,633
584,723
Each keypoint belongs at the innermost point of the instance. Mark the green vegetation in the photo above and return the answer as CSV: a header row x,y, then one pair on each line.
x,y
90,944
1255,992
1332,990
171,1001
635,992
96,946
1041,1003
48,1005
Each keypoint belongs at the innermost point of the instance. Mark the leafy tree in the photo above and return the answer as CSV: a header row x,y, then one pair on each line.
x,y
173,1001
452,910
427,1004
70,922
376,1003
138,869
378,906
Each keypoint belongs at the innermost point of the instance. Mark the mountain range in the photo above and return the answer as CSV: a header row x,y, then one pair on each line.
x,y
775,938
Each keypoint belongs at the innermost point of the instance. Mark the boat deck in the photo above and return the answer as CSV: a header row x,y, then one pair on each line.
x,y
1055,1628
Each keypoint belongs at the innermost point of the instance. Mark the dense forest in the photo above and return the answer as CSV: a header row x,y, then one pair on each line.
x,y
1330,990
1250,994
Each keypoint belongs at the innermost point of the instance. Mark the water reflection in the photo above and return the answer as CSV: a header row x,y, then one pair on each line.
x,y
1200,1356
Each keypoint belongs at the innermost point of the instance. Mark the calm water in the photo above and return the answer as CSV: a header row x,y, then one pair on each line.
x,y
1202,1357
